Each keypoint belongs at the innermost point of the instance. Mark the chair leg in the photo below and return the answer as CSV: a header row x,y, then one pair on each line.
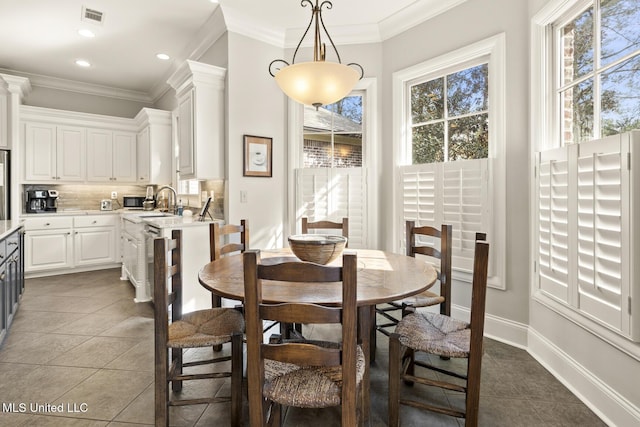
x,y
473,391
236,380
176,356
411,367
394,380
216,301
161,385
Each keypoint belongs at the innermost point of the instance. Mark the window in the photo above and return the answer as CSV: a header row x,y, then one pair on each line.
x,y
449,133
598,57
449,116
333,134
586,64
332,181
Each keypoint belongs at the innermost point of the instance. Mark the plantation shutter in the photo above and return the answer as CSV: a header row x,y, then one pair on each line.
x,y
331,194
603,229
553,223
587,197
455,193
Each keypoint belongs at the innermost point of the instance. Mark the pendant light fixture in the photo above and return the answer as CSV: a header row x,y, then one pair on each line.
x,y
316,82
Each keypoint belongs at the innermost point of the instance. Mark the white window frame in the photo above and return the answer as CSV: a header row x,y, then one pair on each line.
x,y
370,155
544,136
493,50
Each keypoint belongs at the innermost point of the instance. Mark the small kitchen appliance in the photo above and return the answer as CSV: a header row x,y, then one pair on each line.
x,y
149,202
106,205
41,201
133,202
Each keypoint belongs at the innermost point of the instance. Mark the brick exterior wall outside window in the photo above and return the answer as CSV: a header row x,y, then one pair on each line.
x,y
317,154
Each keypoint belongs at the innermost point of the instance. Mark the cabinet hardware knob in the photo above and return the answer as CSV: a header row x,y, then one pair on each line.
x,y
94,222
46,224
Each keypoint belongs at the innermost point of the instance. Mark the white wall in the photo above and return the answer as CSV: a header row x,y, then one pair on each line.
x,y
468,23
255,106
75,101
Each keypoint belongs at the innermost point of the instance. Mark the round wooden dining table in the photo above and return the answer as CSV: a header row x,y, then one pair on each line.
x,y
382,277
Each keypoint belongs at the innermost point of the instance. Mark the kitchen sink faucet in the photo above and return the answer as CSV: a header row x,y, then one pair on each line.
x,y
171,207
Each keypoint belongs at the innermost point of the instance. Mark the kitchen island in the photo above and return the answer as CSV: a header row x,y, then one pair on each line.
x,y
195,254
11,273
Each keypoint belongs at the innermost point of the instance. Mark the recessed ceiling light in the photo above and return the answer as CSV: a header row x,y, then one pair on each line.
x,y
86,33
163,56
83,63
214,1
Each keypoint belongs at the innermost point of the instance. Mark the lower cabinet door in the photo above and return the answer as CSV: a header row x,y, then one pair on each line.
x,y
48,250
95,246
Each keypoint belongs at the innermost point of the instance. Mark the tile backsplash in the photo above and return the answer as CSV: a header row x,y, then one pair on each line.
x,y
88,197
85,197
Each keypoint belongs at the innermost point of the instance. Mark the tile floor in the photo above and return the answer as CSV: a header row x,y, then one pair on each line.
x,y
81,344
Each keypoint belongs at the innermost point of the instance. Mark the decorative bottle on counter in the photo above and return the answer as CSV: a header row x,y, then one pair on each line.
x,y
180,208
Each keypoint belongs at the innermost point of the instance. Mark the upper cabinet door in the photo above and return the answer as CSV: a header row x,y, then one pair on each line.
x,y
143,151
124,157
40,152
70,153
186,141
99,155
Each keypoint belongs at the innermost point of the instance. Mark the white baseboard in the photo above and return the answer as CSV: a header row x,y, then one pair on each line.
x,y
604,401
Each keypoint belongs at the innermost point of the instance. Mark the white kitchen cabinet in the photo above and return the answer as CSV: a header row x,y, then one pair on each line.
x,y
154,147
4,130
130,264
48,243
200,93
111,156
54,153
95,239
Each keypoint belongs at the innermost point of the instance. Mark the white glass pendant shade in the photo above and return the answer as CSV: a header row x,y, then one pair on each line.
x,y
317,82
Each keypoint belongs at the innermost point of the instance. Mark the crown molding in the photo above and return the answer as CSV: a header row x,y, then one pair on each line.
x,y
16,84
80,87
238,22
414,14
209,33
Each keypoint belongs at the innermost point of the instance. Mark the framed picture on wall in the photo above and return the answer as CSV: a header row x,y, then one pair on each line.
x,y
257,156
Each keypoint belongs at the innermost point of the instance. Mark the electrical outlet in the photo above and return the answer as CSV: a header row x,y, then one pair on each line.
x,y
114,195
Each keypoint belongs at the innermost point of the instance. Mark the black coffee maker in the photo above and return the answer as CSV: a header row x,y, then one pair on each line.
x,y
41,201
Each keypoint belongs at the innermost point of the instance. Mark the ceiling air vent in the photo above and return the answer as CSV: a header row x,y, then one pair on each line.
x,y
92,15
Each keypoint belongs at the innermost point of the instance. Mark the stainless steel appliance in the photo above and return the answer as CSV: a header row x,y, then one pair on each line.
x,y
133,202
150,233
42,201
5,196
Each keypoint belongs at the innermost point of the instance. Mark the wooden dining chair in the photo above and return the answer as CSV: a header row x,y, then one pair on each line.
x,y
427,298
441,335
175,332
326,225
302,373
218,234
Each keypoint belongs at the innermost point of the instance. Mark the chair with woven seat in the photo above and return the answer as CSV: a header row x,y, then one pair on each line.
x,y
302,373
218,248
441,335
198,329
426,298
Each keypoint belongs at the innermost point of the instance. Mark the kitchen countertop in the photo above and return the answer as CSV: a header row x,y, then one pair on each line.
x,y
7,227
179,221
156,218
